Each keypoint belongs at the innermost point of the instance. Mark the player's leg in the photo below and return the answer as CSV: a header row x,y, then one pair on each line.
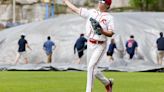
x,y
162,57
90,50
131,56
17,58
109,54
26,60
161,54
80,54
99,75
111,57
159,57
24,55
94,59
49,58
108,83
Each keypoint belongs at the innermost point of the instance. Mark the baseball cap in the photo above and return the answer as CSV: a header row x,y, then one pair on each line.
x,y
108,2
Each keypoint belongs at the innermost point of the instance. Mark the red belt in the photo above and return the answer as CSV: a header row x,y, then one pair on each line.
x,y
96,42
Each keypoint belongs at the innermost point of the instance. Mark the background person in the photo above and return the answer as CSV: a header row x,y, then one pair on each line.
x,y
160,47
131,47
48,46
111,48
22,43
80,46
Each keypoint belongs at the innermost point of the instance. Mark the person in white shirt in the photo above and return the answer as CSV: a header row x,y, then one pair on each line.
x,y
99,26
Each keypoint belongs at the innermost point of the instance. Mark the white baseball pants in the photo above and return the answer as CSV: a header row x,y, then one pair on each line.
x,y
94,54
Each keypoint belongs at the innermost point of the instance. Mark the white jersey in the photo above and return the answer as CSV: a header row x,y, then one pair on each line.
x,y
104,18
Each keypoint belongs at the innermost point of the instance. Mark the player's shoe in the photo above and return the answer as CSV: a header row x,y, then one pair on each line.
x,y
109,86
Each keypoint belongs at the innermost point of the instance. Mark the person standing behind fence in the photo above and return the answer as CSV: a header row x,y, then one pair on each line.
x,y
160,47
131,47
48,46
80,46
22,43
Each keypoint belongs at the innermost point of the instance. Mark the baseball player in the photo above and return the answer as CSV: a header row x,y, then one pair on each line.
x,y
99,26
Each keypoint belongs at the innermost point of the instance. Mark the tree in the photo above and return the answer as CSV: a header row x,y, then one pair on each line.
x,y
89,3
146,5
161,5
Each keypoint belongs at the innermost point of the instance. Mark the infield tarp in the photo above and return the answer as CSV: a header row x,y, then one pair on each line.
x,y
65,29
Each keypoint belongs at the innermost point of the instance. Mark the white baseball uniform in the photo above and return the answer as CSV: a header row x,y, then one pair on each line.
x,y
96,50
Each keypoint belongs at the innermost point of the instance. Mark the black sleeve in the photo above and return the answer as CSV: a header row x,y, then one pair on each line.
x,y
18,42
75,48
85,39
157,41
136,44
115,46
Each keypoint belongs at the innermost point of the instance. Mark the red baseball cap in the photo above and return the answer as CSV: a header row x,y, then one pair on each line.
x,y
108,2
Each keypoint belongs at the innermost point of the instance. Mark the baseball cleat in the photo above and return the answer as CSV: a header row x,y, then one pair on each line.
x,y
109,86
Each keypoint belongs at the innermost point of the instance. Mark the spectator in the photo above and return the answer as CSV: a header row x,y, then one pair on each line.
x,y
22,43
111,48
160,47
131,47
80,46
48,46
9,24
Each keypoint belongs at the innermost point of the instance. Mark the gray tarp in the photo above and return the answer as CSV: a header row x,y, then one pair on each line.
x,y
65,29
26,1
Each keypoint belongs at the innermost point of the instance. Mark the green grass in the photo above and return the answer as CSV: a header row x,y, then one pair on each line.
x,y
51,81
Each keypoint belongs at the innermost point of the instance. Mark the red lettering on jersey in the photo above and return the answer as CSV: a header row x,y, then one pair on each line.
x,y
103,21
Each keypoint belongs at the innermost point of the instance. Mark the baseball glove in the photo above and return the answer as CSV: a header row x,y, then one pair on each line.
x,y
96,26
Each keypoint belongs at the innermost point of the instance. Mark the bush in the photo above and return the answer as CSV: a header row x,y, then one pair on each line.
x,y
60,8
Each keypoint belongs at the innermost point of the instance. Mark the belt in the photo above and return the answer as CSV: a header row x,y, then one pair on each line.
x,y
96,42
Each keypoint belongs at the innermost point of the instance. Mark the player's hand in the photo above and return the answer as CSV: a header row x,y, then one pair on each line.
x,y
64,1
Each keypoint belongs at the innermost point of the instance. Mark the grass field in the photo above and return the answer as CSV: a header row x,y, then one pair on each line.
x,y
52,81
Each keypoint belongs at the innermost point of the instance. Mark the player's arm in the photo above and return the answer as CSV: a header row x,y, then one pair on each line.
x,y
110,27
75,48
72,6
44,47
54,46
28,46
136,44
108,33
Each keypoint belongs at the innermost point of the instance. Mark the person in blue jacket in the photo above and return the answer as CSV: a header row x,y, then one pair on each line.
x,y
80,46
111,48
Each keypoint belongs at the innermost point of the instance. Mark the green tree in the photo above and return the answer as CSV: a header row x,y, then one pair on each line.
x,y
144,5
